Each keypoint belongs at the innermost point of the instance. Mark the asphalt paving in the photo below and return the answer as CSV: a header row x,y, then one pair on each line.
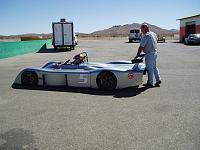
x,y
160,118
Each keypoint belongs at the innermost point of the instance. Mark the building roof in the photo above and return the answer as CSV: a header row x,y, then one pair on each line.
x,y
189,17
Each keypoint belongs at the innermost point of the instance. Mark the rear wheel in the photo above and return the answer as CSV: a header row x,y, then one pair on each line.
x,y
106,80
55,47
29,78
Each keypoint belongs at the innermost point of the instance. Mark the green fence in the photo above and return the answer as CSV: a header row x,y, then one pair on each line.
x,y
9,49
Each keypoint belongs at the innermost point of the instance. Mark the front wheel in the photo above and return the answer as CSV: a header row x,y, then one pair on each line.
x,y
55,47
106,81
29,78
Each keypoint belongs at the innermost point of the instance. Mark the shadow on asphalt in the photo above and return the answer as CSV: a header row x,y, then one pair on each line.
x,y
139,42
118,93
133,42
52,50
161,42
17,139
195,44
177,42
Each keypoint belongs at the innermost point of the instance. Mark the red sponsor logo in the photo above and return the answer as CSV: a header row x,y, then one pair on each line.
x,y
130,75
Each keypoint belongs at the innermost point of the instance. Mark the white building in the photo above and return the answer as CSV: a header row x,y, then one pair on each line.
x,y
189,25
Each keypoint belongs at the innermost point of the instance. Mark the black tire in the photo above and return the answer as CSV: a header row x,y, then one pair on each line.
x,y
29,78
72,47
106,81
55,47
136,87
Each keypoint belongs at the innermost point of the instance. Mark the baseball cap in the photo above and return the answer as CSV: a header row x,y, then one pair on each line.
x,y
145,25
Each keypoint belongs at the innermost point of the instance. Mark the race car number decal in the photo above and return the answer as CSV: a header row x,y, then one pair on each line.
x,y
83,78
130,75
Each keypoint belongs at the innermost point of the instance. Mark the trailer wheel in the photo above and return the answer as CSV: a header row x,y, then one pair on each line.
x,y
106,80
72,47
55,47
29,78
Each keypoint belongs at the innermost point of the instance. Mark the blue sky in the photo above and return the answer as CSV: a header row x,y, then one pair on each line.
x,y
36,16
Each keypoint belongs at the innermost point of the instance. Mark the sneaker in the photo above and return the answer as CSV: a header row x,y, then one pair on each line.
x,y
148,85
158,83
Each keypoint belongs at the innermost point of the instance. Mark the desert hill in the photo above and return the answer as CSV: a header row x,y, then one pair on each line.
x,y
114,31
123,30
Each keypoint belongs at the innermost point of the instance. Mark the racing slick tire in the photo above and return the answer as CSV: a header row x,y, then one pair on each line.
x,y
106,80
29,78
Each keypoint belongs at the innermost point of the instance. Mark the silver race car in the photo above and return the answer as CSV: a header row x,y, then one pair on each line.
x,y
81,73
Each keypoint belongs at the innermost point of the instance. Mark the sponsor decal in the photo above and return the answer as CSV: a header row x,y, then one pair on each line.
x,y
130,75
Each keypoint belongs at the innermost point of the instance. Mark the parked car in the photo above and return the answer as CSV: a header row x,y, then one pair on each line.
x,y
161,39
81,73
192,39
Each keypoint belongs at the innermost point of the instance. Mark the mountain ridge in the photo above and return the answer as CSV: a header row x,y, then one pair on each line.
x,y
114,31
123,30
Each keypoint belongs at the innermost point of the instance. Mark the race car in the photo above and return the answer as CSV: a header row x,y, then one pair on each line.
x,y
81,73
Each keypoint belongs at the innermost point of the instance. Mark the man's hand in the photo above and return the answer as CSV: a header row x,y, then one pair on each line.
x,y
133,60
136,57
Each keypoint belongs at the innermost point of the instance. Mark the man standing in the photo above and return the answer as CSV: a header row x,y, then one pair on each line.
x,y
148,45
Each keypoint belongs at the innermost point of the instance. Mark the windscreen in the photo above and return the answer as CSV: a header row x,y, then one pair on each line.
x,y
134,31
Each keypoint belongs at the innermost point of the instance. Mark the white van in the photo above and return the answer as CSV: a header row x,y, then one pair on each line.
x,y
134,34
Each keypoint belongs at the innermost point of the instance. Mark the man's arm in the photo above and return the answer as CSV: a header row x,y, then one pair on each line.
x,y
143,42
140,49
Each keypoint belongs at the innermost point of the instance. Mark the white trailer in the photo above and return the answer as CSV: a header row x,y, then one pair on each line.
x,y
63,34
